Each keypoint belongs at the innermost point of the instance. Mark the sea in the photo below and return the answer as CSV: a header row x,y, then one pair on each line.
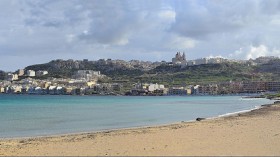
x,y
44,115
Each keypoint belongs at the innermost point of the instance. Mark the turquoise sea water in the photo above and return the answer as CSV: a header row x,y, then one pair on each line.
x,y
33,115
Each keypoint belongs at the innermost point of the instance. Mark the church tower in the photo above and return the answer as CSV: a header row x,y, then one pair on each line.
x,y
184,56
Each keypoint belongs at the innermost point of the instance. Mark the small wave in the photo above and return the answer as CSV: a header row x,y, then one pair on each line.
x,y
250,99
242,111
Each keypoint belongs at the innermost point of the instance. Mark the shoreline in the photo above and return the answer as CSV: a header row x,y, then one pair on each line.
x,y
242,111
174,134
98,132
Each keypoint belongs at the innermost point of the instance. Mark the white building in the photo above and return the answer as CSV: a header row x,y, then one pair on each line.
x,y
87,74
12,77
20,72
216,60
52,90
201,61
31,73
190,63
153,87
38,90
2,90
196,89
41,73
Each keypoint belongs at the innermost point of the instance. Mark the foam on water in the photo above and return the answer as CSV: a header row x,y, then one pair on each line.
x,y
243,111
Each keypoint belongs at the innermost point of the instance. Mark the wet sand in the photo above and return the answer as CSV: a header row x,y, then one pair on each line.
x,y
255,133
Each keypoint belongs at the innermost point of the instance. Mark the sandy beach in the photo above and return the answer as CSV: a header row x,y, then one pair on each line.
x,y
253,133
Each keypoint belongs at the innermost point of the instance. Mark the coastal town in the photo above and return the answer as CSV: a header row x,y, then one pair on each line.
x,y
139,78
87,82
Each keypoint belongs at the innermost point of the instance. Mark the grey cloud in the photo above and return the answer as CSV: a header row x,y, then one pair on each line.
x,y
109,27
52,23
223,27
270,6
118,22
200,20
111,23
51,13
49,23
137,29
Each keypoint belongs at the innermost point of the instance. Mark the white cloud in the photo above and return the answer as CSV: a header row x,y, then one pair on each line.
x,y
262,50
252,52
256,52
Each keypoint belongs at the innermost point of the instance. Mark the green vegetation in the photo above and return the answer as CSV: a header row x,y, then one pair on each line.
x,y
53,72
272,96
207,73
166,74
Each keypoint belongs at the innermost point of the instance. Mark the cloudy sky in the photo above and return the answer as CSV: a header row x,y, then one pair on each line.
x,y
37,31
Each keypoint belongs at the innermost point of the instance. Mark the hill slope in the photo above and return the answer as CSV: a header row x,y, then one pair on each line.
x,y
163,73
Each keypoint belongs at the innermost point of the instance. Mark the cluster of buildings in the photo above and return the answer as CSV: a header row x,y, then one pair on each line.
x,y
82,82
215,60
87,75
148,89
58,87
28,73
226,88
207,89
180,59
263,60
86,81
90,85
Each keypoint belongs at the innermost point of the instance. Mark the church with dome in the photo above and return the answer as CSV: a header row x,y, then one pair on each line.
x,y
179,59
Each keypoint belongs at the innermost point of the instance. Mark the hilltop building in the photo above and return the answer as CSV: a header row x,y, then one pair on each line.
x,y
214,60
12,77
31,73
265,59
41,73
87,74
20,72
179,59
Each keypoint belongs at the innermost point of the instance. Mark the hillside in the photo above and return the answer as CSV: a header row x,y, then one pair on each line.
x,y
205,73
136,71
66,68
272,66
